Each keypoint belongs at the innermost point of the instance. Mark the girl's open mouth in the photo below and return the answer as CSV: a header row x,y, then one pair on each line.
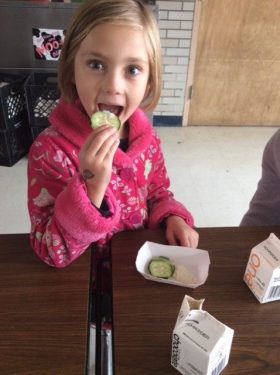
x,y
116,109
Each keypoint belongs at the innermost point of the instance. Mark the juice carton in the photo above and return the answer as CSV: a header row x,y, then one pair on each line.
x,y
201,344
262,274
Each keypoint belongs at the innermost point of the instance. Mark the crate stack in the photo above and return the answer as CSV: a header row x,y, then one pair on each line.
x,y
42,95
15,137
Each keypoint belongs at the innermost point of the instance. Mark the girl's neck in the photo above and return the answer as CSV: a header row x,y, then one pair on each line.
x,y
123,132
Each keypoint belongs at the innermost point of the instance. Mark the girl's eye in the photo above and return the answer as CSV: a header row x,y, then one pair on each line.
x,y
96,65
134,70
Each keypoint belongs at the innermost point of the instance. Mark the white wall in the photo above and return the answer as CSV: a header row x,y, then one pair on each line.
x,y
176,24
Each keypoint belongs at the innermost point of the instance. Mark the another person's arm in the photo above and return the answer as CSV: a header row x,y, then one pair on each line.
x,y
264,207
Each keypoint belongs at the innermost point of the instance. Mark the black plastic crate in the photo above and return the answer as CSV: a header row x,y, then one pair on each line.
x,y
42,94
14,144
13,104
35,131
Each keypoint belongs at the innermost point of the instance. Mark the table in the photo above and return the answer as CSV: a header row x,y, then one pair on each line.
x,y
43,312
145,312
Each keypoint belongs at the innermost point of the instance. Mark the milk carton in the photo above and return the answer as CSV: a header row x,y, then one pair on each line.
x,y
201,344
262,274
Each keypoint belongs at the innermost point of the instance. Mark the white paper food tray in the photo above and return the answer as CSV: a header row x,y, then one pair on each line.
x,y
196,262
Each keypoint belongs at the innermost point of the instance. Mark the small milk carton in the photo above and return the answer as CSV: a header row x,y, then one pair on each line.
x,y
262,274
201,344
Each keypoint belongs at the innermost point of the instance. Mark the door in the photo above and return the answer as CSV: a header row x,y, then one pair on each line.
x,y
236,78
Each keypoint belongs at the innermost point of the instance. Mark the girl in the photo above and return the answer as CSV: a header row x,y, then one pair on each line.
x,y
86,185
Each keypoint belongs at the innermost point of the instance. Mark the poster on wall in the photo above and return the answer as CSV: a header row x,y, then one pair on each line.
x,y
47,43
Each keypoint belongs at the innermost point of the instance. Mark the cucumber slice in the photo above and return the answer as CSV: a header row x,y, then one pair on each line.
x,y
105,118
161,267
161,257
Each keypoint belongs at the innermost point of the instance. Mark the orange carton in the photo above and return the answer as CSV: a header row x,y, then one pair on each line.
x,y
262,274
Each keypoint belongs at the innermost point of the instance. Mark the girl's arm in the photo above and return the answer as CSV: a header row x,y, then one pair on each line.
x,y
64,222
163,208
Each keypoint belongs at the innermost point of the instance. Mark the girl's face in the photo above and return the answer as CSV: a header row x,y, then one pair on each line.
x,y
111,70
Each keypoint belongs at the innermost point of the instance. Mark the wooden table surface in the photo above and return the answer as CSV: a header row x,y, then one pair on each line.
x,y
145,312
43,312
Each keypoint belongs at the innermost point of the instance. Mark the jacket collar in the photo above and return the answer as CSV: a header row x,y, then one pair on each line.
x,y
72,122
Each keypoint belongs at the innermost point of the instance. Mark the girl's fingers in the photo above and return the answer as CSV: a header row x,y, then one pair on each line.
x,y
195,240
184,241
105,149
98,136
171,238
112,150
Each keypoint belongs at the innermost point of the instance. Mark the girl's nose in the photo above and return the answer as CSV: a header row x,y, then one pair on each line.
x,y
113,83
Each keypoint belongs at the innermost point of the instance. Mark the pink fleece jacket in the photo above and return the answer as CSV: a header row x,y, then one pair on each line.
x,y
63,220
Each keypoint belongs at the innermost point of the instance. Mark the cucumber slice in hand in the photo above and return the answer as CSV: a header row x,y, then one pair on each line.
x,y
161,267
105,118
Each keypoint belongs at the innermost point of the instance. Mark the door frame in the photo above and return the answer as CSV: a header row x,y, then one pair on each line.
x,y
191,65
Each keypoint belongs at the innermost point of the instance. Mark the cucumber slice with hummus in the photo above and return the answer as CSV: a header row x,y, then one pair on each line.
x,y
161,267
105,118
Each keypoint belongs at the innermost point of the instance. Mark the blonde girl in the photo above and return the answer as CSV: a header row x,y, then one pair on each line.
x,y
86,185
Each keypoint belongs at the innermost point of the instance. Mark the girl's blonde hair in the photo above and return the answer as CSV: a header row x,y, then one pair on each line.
x,y
125,12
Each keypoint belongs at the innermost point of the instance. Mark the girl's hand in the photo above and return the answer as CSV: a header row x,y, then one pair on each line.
x,y
180,233
96,158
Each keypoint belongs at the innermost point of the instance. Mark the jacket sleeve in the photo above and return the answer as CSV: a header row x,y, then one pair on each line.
x,y
63,220
265,204
161,202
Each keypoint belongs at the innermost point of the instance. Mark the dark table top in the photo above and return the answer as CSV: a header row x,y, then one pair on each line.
x,y
145,312
43,312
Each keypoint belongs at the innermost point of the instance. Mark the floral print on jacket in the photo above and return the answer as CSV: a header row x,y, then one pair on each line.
x,y
63,220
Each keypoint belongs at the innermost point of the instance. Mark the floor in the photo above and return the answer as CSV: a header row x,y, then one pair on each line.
x,y
213,171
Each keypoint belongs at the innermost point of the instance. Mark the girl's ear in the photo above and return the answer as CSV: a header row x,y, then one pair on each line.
x,y
147,92
145,100
146,95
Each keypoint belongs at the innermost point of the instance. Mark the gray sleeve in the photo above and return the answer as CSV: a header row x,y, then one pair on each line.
x,y
264,207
